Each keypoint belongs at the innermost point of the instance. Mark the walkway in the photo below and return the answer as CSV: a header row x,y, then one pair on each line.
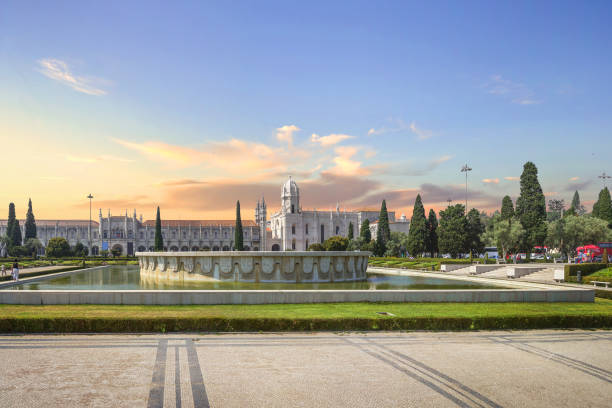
x,y
485,369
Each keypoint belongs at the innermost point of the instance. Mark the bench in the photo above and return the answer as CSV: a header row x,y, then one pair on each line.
x,y
606,284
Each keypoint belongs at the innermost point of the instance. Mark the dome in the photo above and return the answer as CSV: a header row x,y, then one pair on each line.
x,y
290,188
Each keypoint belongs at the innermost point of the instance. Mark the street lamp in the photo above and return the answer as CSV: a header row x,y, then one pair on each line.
x,y
90,198
603,178
449,201
465,170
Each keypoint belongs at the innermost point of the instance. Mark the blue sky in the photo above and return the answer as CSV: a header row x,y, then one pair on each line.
x,y
128,99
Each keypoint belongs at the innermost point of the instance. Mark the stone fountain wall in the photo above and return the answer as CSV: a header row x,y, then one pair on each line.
x,y
244,266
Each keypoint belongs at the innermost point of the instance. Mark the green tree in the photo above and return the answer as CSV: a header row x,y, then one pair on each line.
x,y
397,245
80,249
383,223
33,246
350,231
555,209
30,224
509,235
417,234
57,247
364,232
13,232
336,243
475,229
507,209
531,208
576,205
432,234
452,230
603,207
573,231
238,234
159,239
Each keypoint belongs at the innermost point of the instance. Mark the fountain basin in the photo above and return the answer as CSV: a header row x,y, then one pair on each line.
x,y
256,266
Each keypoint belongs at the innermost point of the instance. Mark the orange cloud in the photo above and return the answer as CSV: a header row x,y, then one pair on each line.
x,y
285,133
512,178
491,181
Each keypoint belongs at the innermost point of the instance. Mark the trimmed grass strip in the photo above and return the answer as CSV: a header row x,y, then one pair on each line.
x,y
303,317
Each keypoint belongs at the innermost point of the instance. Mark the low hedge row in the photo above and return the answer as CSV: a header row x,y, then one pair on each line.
x,y
604,294
585,268
135,325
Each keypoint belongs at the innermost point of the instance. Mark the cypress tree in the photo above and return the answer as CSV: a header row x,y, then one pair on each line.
x,y
531,208
383,223
380,245
364,232
30,224
432,233
16,234
603,207
350,231
507,209
10,224
576,205
159,239
238,237
417,235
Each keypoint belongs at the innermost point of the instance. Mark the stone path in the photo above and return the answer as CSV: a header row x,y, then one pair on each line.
x,y
483,369
25,272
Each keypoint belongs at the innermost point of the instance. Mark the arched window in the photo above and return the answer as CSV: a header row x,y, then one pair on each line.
x,y
293,229
275,247
306,245
337,230
292,208
322,233
293,244
306,229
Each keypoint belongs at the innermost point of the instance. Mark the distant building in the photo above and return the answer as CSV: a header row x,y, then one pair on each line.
x,y
401,225
293,228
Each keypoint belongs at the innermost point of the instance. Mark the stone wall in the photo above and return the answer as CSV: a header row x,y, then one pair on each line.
x,y
256,266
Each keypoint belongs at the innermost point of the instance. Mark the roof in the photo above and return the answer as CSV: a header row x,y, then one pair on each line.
x,y
198,223
61,223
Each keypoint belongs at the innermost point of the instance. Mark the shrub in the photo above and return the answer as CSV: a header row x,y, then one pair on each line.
x,y
57,247
336,243
316,247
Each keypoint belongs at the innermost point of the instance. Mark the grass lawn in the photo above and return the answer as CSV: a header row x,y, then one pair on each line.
x,y
603,273
331,316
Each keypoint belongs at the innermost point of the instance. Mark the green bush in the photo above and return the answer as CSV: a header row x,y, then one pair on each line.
x,y
336,243
316,247
58,247
585,268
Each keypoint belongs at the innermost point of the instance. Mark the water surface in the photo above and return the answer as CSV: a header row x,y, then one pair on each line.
x,y
127,277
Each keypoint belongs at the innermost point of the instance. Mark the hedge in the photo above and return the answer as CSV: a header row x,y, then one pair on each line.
x,y
220,324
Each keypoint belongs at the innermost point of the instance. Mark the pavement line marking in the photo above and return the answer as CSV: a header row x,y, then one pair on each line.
x,y
177,377
156,393
200,399
410,374
559,358
433,374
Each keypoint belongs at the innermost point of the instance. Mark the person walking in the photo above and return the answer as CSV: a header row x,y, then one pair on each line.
x,y
15,271
3,270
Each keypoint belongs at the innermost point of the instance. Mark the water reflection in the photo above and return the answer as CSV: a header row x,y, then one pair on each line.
x,y
123,277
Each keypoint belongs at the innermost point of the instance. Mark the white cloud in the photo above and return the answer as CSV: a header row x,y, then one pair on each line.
x,y
398,126
422,134
285,133
516,92
58,70
329,140
491,181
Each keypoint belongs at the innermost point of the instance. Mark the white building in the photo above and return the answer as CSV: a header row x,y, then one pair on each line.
x,y
293,228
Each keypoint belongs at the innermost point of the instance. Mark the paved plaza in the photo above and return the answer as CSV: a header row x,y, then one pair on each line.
x,y
483,369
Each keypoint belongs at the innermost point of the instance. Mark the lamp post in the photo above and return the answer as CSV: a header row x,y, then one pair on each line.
x,y
90,198
465,170
604,177
449,201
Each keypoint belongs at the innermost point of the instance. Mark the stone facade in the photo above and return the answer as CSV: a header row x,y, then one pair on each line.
x,y
293,228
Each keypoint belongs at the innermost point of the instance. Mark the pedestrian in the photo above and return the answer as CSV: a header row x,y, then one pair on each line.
x,y
3,270
15,271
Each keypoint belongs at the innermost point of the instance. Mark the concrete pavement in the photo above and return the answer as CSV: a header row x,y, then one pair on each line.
x,y
485,369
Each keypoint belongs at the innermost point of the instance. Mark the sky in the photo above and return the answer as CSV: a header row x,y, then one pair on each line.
x,y
194,105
